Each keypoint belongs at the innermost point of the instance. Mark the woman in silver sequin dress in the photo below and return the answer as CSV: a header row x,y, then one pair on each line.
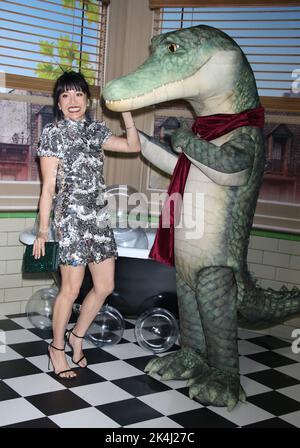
x,y
71,160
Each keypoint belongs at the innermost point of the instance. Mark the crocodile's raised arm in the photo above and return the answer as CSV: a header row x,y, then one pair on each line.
x,y
157,153
234,156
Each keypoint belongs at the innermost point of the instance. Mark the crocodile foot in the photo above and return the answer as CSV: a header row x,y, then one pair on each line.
x,y
217,388
182,364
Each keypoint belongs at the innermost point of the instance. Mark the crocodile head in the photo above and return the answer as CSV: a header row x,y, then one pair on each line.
x,y
200,64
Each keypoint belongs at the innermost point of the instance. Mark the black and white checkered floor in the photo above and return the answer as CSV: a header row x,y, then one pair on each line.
x,y
114,392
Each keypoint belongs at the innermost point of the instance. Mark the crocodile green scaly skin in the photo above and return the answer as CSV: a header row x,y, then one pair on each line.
x,y
207,68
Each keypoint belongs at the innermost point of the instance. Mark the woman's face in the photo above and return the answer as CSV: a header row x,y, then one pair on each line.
x,y
73,104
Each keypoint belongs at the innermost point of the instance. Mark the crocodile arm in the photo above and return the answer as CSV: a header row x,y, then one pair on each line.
x,y
234,156
157,153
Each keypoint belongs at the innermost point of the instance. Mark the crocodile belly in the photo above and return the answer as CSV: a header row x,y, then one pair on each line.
x,y
200,236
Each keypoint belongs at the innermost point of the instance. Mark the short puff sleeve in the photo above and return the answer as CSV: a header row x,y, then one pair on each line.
x,y
99,133
50,144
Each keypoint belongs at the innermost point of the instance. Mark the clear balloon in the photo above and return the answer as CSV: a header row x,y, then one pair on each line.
x,y
107,327
39,308
156,330
129,215
128,207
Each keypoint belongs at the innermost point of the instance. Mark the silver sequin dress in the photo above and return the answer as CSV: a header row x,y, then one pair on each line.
x,y
81,215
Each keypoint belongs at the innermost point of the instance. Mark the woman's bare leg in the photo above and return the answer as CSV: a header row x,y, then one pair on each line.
x,y
103,275
71,280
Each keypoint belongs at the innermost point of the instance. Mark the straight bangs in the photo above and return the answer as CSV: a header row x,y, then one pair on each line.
x,y
73,84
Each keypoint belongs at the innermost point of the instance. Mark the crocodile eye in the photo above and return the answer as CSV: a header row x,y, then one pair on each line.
x,y
173,47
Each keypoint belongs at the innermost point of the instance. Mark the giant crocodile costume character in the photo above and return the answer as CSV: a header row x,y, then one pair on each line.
x,y
207,68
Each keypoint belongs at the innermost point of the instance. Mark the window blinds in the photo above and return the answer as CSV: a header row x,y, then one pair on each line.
x,y
41,38
269,36
154,4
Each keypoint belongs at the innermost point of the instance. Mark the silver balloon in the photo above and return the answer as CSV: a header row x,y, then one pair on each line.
x,y
39,308
156,330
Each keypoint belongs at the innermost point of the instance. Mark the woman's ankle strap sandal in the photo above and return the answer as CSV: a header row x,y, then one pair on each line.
x,y
59,374
67,334
80,337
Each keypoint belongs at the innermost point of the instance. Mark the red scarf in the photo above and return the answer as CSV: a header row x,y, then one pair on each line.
x,y
208,128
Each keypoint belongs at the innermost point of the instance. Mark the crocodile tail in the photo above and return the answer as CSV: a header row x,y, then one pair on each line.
x,y
266,306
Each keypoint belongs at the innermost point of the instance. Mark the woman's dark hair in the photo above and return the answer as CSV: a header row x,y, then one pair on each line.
x,y
68,81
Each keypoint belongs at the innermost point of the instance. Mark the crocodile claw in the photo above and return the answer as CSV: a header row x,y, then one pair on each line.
x,y
242,395
154,365
177,365
159,364
193,392
218,388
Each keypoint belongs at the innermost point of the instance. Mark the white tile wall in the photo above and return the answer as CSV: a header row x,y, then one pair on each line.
x,y
13,266
3,239
13,238
2,267
288,275
16,294
275,259
13,224
289,247
261,243
280,262
262,271
279,265
15,288
294,262
255,256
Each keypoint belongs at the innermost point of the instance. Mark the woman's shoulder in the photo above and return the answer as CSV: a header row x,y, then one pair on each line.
x,y
97,124
51,127
99,132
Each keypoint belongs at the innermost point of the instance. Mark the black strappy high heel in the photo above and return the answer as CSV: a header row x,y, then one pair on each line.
x,y
67,335
63,371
